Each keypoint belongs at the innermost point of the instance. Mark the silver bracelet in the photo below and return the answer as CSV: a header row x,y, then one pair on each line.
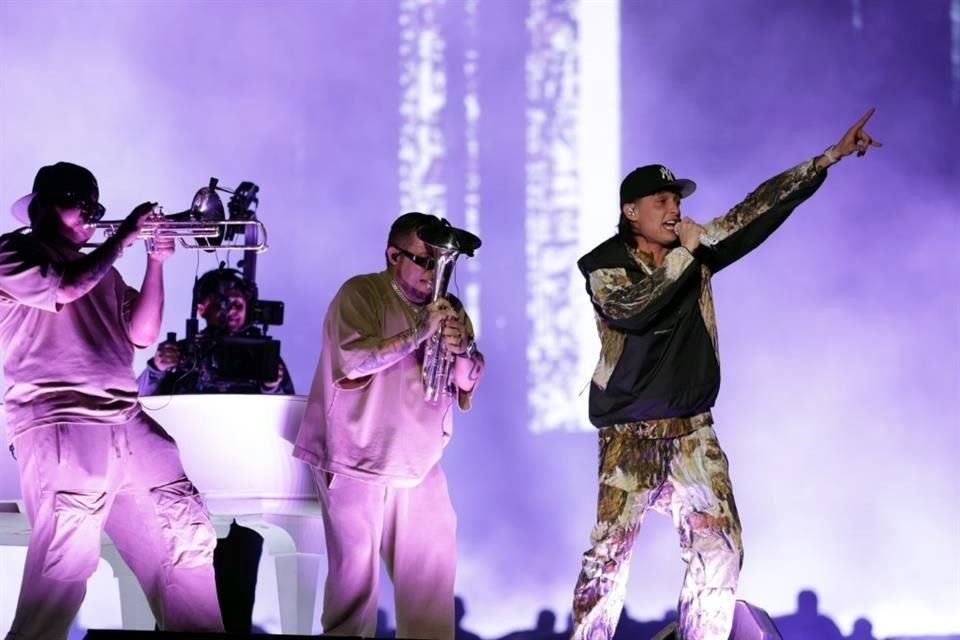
x,y
830,156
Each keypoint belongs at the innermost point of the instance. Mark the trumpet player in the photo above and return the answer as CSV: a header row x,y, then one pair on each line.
x,y
375,443
89,459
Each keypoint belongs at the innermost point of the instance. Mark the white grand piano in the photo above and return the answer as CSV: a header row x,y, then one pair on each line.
x,y
237,451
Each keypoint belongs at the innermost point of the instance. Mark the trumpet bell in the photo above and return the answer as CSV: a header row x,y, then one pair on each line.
x,y
208,207
448,244
445,237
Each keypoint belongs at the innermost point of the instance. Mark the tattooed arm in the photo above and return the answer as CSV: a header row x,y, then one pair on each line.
x,y
385,352
388,352
82,275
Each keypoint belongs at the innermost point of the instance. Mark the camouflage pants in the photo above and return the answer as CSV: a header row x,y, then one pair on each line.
x,y
686,477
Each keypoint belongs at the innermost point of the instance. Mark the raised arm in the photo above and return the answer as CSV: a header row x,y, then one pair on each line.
x,y
854,139
382,353
147,313
354,318
83,274
750,222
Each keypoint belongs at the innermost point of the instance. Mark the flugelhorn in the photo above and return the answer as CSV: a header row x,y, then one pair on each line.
x,y
202,227
448,244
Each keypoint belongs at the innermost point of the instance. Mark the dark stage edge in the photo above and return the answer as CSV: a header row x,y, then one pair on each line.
x,y
749,623
120,634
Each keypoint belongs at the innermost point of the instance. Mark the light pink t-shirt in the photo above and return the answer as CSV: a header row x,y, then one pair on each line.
x,y
70,362
378,428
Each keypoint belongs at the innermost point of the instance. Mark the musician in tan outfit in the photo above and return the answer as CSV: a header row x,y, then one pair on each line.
x,y
90,460
375,443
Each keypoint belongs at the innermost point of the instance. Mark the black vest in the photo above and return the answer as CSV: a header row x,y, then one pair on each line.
x,y
668,367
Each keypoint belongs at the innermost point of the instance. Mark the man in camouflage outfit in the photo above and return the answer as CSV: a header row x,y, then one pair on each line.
x,y
657,379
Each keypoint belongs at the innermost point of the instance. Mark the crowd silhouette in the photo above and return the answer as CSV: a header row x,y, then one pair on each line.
x,y
806,623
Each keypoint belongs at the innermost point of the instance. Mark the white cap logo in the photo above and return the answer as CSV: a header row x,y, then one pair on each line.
x,y
666,174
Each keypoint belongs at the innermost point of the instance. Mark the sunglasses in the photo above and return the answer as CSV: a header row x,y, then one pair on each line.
x,y
92,210
427,263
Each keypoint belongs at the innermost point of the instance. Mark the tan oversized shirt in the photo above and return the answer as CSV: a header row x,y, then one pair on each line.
x,y
68,363
377,428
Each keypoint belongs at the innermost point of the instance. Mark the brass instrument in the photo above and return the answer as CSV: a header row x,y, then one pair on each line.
x,y
448,244
202,227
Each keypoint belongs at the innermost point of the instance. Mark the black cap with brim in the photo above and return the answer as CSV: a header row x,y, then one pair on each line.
x,y
55,180
653,178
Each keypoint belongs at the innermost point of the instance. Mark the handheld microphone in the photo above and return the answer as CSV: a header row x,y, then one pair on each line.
x,y
706,239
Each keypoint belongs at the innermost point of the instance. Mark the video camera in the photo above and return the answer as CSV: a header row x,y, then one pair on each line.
x,y
251,356
239,359
225,362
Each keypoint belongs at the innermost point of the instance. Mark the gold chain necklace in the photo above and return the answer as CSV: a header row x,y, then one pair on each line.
x,y
415,308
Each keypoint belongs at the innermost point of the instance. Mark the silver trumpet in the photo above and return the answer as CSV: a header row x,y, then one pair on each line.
x,y
448,244
202,227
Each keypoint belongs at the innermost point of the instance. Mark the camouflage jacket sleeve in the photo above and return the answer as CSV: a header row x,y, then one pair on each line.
x,y
630,300
748,224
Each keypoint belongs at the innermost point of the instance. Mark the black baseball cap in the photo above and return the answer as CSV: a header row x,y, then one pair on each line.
x,y
61,182
653,178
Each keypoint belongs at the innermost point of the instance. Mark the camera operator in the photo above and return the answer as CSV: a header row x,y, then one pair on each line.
x,y
187,366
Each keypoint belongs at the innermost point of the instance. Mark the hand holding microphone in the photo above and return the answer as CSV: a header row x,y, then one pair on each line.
x,y
692,235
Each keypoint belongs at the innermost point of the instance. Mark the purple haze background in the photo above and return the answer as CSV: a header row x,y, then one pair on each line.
x,y
840,337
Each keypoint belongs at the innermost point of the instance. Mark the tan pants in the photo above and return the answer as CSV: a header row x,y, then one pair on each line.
x,y
126,479
413,530
687,478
